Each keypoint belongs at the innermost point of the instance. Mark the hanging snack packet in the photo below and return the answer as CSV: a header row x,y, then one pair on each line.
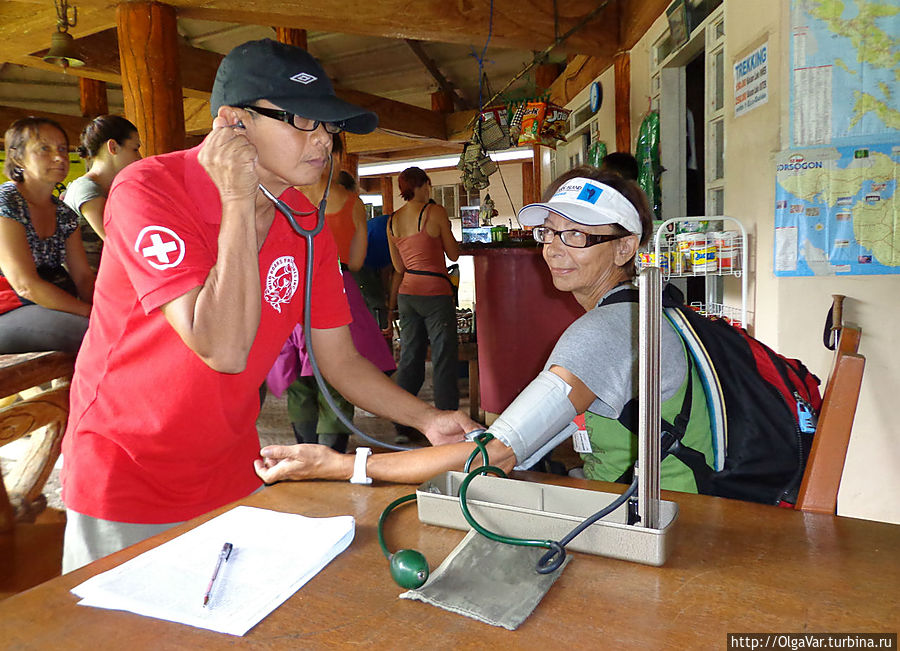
x,y
532,122
556,123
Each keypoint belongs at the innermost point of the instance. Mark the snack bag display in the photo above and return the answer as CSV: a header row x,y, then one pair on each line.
x,y
532,123
556,123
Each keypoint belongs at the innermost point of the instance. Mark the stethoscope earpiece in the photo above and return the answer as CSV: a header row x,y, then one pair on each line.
x,y
409,568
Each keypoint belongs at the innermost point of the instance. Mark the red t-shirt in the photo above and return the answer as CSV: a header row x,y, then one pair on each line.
x,y
154,434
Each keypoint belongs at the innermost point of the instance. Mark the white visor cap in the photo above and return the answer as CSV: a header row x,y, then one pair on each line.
x,y
586,202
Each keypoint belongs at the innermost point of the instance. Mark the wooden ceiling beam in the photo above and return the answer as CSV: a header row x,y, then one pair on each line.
x,y
529,25
448,149
636,18
381,141
397,116
198,70
443,83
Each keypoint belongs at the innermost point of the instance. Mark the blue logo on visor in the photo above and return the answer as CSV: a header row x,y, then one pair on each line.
x,y
590,193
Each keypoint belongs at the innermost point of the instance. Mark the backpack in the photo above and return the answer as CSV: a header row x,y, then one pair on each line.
x,y
763,407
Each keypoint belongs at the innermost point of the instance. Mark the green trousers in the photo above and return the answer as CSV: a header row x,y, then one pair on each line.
x,y
313,419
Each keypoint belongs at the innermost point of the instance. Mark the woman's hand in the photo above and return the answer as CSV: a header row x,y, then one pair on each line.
x,y
230,158
306,461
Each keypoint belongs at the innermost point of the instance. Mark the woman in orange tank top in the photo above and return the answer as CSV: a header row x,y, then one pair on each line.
x,y
419,237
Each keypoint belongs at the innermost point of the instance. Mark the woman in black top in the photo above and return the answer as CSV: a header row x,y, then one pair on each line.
x,y
46,283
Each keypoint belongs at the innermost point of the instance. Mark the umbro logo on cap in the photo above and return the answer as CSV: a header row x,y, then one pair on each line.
x,y
304,78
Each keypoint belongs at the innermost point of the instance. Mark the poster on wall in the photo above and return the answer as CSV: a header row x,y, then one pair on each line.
x,y
843,72
836,211
751,80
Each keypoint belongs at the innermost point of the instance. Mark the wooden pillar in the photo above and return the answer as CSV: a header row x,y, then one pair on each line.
x,y
528,193
291,36
151,75
442,102
536,163
92,97
387,195
622,64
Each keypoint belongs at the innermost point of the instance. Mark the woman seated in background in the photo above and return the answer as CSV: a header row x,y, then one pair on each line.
x,y
312,419
108,143
590,228
46,284
419,237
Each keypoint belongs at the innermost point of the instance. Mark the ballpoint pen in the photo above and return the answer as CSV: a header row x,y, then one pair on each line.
x,y
223,557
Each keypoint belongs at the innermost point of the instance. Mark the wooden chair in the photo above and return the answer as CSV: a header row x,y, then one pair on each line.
x,y
822,478
31,552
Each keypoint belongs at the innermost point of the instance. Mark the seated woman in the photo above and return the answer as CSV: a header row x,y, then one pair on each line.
x,y
46,284
591,228
110,143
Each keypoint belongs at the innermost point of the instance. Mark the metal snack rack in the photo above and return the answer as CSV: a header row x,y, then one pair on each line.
x,y
709,254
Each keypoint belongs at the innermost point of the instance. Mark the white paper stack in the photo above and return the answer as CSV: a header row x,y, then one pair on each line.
x,y
274,554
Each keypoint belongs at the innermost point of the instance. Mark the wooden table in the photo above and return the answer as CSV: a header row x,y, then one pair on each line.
x,y
736,567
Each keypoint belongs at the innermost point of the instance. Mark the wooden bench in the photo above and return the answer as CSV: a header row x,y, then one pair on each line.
x,y
43,416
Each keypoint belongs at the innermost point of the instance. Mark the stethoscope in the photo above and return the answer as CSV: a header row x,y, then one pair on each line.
x,y
408,567
308,235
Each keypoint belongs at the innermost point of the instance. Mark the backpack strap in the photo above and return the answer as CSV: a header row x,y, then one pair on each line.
x,y
690,457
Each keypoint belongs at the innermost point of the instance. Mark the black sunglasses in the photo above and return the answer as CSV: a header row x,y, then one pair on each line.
x,y
297,121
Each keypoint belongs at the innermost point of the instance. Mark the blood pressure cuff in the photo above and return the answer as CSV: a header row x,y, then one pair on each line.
x,y
538,420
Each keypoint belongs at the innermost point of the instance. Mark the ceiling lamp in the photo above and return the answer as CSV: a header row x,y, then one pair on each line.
x,y
62,50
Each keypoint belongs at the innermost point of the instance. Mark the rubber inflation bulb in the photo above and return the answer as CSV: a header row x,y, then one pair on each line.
x,y
409,568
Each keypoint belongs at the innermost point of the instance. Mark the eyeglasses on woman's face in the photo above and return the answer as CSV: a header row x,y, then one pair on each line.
x,y
297,121
574,238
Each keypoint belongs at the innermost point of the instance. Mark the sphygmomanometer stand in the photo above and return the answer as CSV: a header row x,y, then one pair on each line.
x,y
531,510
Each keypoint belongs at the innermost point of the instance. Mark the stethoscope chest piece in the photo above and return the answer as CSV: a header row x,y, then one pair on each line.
x,y
409,568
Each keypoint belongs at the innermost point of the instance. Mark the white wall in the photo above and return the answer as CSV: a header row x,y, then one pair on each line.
x,y
790,312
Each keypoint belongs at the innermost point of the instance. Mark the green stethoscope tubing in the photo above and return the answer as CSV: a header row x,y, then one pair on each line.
x,y
556,550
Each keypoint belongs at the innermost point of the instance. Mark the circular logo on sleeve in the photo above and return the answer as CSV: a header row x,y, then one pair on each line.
x,y
160,247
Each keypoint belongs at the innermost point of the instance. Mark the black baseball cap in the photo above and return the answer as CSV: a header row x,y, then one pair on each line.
x,y
289,77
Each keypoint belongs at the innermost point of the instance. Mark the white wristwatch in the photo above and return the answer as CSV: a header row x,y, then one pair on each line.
x,y
359,467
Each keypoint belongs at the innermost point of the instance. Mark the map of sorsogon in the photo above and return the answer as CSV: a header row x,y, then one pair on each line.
x,y
836,211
